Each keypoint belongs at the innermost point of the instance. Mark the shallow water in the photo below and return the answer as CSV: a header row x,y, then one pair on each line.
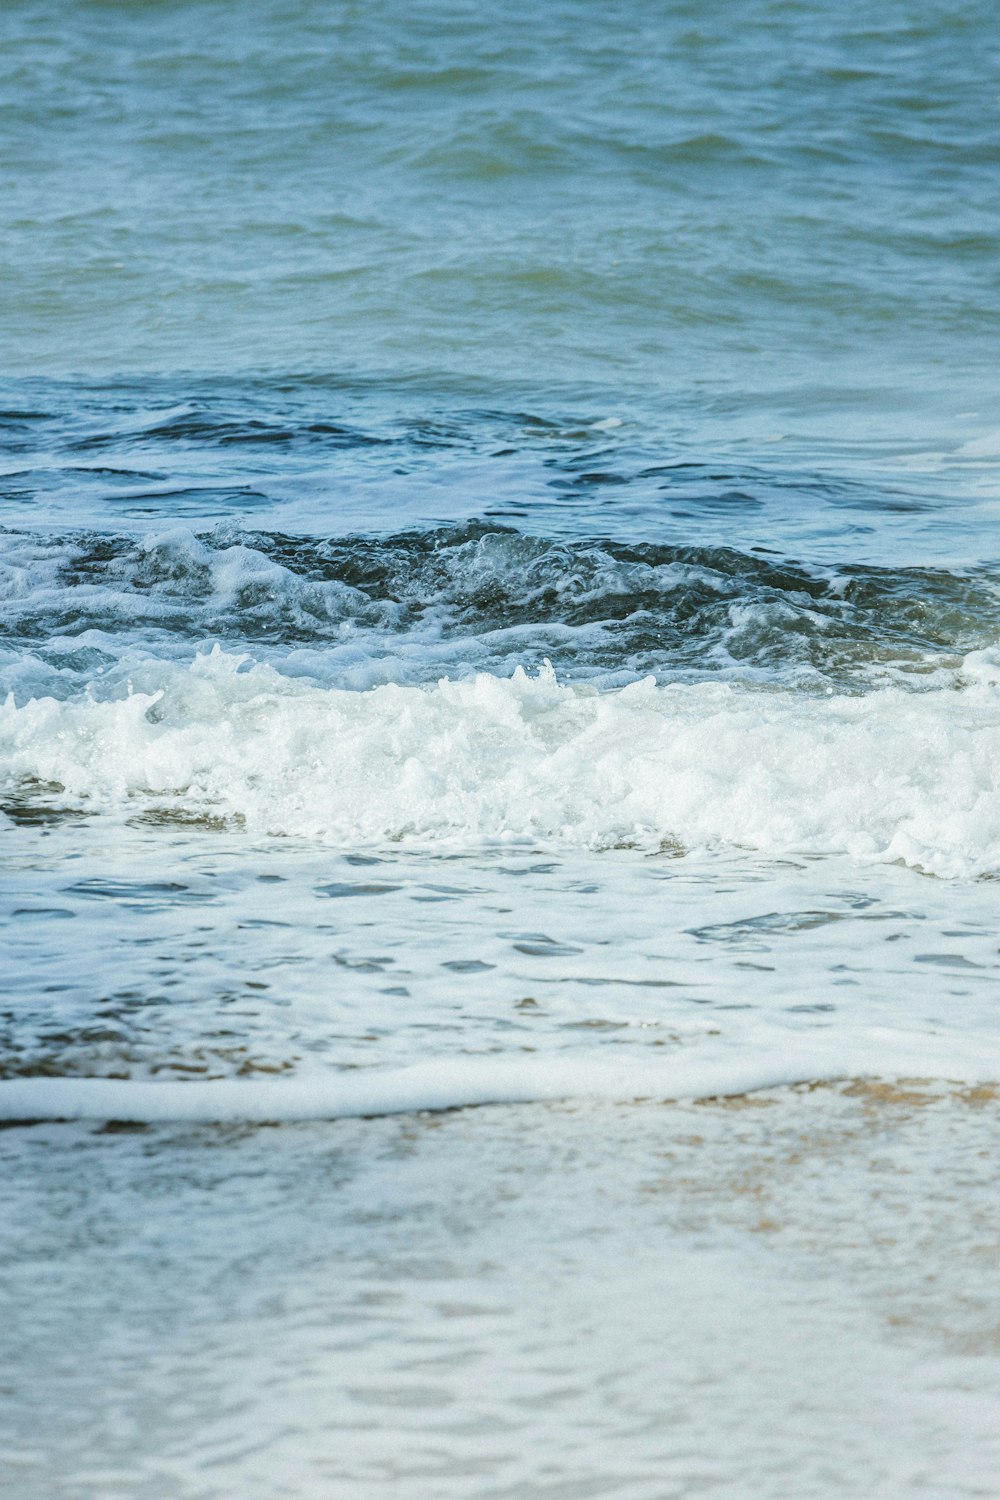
x,y
499,597
317,791
795,1299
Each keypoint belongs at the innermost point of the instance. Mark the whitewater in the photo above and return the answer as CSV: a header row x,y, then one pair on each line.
x,y
886,777
653,779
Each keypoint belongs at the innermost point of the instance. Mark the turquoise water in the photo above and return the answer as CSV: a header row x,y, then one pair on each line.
x,y
499,603
785,218
766,244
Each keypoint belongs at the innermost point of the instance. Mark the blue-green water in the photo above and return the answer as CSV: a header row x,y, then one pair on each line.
x,y
499,601
781,217
764,243
766,239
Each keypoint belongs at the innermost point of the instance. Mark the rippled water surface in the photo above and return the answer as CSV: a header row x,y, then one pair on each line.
x,y
499,603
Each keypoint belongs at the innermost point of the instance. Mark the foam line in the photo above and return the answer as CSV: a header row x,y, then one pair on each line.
x,y
457,1083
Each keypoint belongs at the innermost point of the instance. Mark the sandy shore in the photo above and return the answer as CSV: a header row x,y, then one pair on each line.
x,y
792,1293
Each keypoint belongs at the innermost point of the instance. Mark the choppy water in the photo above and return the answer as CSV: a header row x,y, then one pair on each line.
x,y
499,596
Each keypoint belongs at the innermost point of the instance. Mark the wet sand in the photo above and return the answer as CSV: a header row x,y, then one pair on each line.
x,y
792,1293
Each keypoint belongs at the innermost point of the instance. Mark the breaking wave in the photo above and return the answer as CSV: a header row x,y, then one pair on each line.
x,y
890,775
358,611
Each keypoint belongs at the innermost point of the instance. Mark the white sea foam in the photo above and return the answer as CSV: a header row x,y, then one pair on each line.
x,y
775,1058
889,776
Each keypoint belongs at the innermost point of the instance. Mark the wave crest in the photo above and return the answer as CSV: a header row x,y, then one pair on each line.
x,y
889,776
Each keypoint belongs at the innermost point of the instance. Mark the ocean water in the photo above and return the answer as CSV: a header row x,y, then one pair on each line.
x,y
500,606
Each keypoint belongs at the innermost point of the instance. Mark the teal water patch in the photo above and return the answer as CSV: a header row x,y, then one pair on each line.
x,y
791,213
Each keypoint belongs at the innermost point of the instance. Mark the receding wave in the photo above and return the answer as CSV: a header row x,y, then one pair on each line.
x,y
891,775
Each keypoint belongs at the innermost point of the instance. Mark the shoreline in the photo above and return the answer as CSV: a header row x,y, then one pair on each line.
x,y
455,1084
790,1294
